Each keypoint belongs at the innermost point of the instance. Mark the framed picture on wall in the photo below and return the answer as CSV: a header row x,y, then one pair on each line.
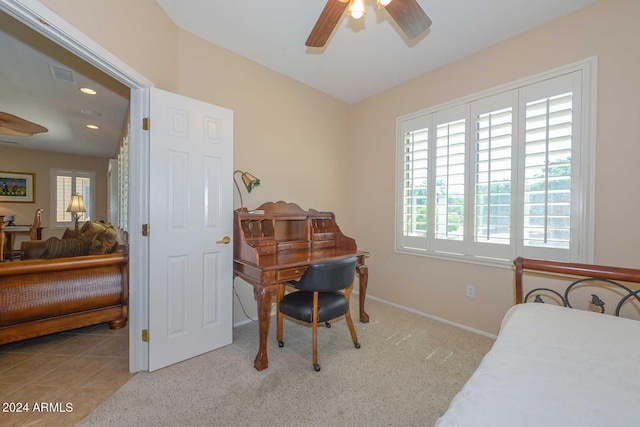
x,y
17,187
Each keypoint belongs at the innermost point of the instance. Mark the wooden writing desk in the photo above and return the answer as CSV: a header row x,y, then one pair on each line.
x,y
276,244
8,233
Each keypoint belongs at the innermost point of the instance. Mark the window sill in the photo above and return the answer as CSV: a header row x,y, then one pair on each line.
x,y
487,262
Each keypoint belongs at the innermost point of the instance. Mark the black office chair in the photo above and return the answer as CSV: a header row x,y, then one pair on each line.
x,y
318,299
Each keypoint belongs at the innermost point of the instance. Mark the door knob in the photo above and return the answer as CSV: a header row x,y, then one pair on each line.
x,y
225,240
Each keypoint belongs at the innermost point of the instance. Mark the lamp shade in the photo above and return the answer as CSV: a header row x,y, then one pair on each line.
x,y
250,181
356,9
76,204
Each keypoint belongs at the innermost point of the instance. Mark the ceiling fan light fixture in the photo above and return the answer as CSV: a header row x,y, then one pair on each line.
x,y
407,14
356,9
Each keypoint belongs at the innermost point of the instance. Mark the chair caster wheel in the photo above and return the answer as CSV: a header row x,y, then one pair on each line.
x,y
328,325
280,343
316,367
356,344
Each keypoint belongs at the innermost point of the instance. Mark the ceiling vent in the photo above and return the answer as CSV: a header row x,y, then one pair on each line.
x,y
60,73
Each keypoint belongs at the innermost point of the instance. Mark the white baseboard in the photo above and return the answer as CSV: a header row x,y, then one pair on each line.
x,y
439,319
245,321
242,322
402,307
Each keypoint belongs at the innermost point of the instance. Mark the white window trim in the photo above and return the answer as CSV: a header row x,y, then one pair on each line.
x,y
55,172
587,130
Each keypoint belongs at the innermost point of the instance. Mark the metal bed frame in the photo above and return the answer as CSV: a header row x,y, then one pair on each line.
x,y
594,275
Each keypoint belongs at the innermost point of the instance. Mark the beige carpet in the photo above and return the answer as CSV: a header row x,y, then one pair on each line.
x,y
405,374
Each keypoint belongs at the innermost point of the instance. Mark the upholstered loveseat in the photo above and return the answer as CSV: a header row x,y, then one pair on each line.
x,y
60,285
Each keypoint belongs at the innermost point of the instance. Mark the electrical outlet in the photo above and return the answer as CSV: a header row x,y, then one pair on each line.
x,y
471,291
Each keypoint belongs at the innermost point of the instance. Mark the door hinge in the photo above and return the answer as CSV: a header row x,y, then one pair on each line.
x,y
145,335
146,229
146,123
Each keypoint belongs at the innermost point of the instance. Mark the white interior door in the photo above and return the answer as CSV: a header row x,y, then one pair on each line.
x,y
191,226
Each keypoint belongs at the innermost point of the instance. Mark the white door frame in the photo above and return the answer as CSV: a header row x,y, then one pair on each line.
x,y
35,15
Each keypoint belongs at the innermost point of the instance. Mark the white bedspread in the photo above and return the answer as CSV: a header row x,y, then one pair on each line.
x,y
554,366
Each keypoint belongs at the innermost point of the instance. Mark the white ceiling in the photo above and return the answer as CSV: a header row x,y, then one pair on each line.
x,y
29,90
362,57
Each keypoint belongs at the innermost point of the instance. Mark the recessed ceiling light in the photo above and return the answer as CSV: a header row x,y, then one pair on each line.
x,y
88,90
93,127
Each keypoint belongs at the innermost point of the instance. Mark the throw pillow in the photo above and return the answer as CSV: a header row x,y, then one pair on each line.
x,y
90,228
63,248
104,242
68,233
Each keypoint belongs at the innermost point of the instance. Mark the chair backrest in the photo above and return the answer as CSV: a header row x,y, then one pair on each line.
x,y
328,276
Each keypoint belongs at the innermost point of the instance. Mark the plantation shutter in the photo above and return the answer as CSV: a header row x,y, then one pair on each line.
x,y
64,190
493,173
414,176
500,175
449,178
550,192
83,188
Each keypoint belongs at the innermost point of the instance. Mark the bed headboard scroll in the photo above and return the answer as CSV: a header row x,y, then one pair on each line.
x,y
587,273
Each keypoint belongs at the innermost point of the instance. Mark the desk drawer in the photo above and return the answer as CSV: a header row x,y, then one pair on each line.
x,y
292,246
291,273
266,250
261,241
323,244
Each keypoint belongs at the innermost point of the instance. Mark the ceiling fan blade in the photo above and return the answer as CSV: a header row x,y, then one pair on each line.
x,y
14,125
409,16
7,131
329,18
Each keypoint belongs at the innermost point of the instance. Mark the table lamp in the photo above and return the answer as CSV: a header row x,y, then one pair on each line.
x,y
76,206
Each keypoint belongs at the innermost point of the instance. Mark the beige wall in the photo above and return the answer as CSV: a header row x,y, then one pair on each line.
x,y
40,163
290,136
319,152
609,30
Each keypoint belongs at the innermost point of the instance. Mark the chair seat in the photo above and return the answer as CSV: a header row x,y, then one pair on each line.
x,y
299,305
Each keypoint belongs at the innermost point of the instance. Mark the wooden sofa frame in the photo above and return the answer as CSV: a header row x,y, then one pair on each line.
x,y
40,296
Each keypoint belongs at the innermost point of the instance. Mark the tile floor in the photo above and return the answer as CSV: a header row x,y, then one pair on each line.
x,y
70,372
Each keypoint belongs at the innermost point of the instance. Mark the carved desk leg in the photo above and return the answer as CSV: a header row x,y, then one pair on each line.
x,y
363,278
264,296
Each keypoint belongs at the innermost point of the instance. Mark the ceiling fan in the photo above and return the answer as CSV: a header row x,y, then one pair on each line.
x,y
16,126
407,13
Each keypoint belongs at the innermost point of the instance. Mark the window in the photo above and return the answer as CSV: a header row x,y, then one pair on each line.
x,y
501,174
65,183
